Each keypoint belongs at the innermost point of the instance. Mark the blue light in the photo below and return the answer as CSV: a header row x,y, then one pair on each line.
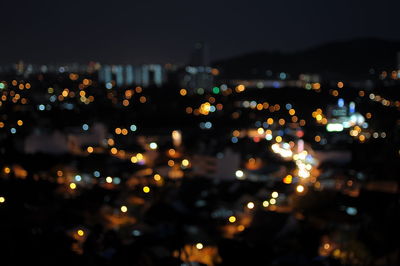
x,y
53,98
288,106
352,107
85,127
351,211
13,130
208,125
109,85
282,75
96,173
41,107
276,84
133,128
117,180
78,178
234,140
340,102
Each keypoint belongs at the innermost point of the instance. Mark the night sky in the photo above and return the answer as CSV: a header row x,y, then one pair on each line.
x,y
138,31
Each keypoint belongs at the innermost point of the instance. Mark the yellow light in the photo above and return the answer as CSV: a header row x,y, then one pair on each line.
x,y
260,130
80,232
118,131
125,102
240,88
278,139
272,201
171,152
114,150
292,112
109,179
275,194
199,246
72,186
265,203
2,199
90,149
20,122
287,179
300,188
7,170
124,208
183,92
319,117
139,156
185,162
232,219
270,121
250,205
134,159
157,177
146,189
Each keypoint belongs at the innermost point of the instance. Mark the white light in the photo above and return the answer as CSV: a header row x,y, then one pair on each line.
x,y
334,127
133,128
250,205
153,145
239,174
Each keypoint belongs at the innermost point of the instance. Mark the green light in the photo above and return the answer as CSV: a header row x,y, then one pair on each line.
x,y
215,90
2,86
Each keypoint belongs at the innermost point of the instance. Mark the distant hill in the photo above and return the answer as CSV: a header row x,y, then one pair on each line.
x,y
345,59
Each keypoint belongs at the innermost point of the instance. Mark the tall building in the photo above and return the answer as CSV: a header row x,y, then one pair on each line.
x,y
200,55
129,74
105,74
145,75
198,75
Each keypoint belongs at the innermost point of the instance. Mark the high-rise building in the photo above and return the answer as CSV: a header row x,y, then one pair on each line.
x,y
200,56
105,74
129,75
118,71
